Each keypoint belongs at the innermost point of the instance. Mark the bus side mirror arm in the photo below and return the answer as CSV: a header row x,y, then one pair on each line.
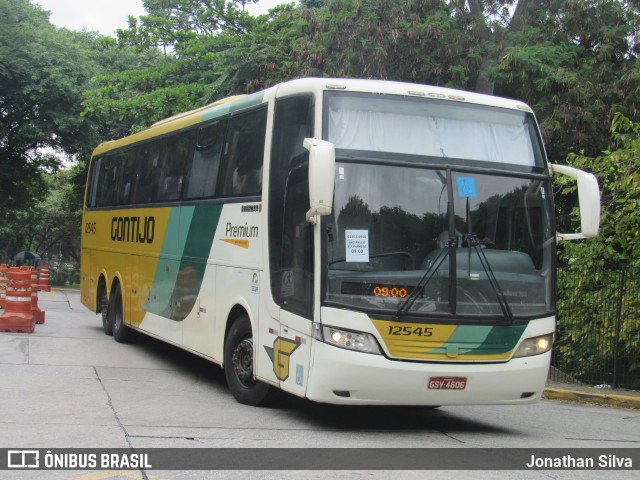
x,y
589,201
322,166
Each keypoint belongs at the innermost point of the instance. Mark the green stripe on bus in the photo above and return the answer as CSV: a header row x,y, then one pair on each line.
x,y
177,286
197,247
482,340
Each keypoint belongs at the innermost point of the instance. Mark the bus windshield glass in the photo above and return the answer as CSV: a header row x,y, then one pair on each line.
x,y
456,241
433,128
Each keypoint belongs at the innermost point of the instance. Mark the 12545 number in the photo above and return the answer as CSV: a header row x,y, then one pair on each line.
x,y
406,331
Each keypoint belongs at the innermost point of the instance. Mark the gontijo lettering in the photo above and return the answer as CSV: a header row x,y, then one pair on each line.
x,y
133,229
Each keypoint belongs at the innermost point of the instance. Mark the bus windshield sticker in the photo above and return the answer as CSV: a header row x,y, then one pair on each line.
x,y
357,244
467,187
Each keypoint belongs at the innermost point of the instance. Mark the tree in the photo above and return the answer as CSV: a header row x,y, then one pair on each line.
x,y
575,61
42,71
598,300
213,49
50,226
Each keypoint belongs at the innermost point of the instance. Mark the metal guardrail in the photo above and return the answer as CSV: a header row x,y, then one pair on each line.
x,y
598,332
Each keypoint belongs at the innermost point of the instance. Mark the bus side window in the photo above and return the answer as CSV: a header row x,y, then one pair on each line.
x,y
127,160
244,152
202,170
108,176
94,176
144,182
176,150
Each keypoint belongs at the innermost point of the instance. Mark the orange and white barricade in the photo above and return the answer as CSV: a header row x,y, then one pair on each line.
x,y
17,316
4,279
38,314
43,281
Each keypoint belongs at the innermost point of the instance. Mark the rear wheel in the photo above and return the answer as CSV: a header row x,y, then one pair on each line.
x,y
238,365
121,332
104,309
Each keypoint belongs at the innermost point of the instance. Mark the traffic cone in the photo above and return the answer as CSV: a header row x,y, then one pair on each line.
x,y
17,316
3,283
43,283
38,314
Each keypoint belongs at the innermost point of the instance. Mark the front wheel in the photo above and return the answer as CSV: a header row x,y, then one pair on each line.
x,y
238,365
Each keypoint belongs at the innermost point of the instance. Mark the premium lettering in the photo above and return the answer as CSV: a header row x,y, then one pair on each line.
x,y
241,231
133,229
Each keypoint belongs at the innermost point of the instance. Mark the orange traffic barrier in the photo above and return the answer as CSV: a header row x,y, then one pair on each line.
x,y
38,314
3,283
17,316
43,282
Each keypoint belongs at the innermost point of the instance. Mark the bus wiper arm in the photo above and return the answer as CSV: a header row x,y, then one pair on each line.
x,y
474,244
426,278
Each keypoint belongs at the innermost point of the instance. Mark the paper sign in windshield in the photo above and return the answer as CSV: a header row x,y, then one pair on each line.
x,y
357,242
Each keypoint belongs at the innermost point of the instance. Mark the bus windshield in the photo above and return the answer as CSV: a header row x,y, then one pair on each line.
x,y
433,128
484,239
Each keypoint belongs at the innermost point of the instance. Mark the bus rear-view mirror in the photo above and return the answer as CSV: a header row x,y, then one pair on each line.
x,y
322,165
588,198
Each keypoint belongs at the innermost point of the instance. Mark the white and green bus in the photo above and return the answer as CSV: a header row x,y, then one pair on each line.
x,y
347,241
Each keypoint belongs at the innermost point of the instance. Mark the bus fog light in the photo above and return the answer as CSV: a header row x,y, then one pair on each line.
x,y
358,341
534,346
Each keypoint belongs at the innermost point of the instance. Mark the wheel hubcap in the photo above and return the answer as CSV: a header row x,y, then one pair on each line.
x,y
243,361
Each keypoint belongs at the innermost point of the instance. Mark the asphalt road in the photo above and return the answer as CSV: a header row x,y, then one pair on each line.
x,y
67,385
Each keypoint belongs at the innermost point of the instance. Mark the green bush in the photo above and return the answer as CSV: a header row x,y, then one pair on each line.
x,y
64,275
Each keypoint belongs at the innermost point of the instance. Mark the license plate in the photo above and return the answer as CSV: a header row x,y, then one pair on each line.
x,y
447,383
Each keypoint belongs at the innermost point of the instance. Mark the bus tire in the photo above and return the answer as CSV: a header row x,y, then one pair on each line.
x,y
238,365
121,332
104,310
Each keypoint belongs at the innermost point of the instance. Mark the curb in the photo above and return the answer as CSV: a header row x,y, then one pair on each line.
x,y
620,401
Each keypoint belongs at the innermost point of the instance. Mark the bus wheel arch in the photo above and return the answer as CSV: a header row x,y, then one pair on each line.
x,y
238,361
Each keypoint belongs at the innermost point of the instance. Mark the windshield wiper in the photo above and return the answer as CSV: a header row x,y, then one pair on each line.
x,y
426,278
474,243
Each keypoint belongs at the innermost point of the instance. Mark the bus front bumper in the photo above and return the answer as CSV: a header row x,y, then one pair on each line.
x,y
341,376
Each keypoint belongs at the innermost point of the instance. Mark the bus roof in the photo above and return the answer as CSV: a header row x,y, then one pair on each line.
x,y
307,85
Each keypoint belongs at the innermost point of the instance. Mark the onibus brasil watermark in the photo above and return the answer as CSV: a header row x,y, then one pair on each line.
x,y
34,459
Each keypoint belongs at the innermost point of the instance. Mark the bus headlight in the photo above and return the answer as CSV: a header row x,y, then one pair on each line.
x,y
358,341
534,346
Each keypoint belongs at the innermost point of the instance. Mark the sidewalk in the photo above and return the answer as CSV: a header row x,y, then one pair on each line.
x,y
598,396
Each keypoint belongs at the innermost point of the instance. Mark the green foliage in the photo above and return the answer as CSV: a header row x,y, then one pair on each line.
x,y
42,72
211,49
576,62
598,322
63,275
598,308
411,41
49,227
618,173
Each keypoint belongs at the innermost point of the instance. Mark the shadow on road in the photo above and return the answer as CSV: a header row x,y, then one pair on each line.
x,y
324,416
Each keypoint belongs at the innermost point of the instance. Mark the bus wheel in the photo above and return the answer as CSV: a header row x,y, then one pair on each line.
x,y
121,333
238,365
104,308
